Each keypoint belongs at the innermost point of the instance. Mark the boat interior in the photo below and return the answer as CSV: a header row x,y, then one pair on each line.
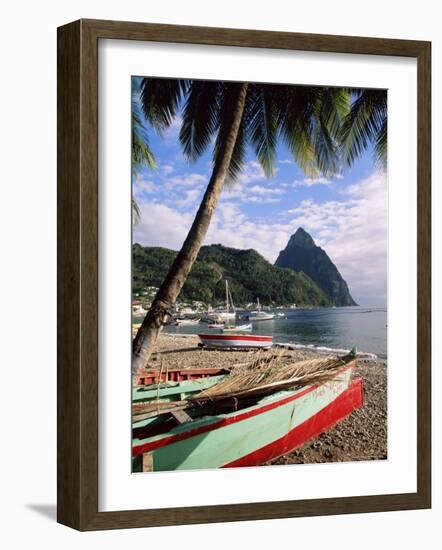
x,y
157,407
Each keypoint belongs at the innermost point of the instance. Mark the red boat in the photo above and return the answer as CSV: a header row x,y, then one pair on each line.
x,y
155,376
247,430
236,340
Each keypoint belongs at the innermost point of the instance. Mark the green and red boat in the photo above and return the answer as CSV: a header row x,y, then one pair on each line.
x,y
172,431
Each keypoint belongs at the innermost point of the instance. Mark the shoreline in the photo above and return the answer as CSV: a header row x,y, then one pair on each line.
x,y
361,436
311,349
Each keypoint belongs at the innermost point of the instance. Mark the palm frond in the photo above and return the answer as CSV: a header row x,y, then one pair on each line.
x,y
335,106
161,99
365,124
261,120
238,158
381,145
136,214
329,109
141,152
199,117
295,106
309,122
228,101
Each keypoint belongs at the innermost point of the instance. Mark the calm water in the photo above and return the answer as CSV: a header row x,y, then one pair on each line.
x,y
324,329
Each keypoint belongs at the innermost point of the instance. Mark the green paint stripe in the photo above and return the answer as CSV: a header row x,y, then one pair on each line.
x,y
218,447
187,386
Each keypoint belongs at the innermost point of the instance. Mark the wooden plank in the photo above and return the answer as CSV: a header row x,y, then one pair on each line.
x,y
181,416
147,462
68,277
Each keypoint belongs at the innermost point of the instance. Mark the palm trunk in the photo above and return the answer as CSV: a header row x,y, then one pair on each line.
x,y
147,335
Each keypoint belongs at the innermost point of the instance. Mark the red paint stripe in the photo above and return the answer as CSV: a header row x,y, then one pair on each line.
x,y
153,376
145,447
246,338
325,419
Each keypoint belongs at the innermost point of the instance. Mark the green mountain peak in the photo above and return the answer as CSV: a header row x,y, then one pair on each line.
x,y
302,255
249,274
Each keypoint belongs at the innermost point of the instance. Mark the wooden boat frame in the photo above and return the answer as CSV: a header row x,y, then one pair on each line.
x,y
299,414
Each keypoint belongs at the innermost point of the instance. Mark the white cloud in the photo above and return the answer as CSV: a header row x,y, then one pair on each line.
x,y
260,190
308,182
186,180
263,200
254,193
251,172
353,231
354,234
189,199
171,134
167,169
161,225
286,161
228,214
142,186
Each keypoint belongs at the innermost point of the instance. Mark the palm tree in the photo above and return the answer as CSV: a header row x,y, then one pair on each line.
x,y
231,115
365,123
141,153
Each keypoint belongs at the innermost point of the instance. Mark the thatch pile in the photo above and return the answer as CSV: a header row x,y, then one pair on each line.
x,y
248,382
269,374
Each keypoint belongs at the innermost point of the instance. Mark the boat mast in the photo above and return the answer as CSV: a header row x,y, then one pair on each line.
x,y
231,301
227,296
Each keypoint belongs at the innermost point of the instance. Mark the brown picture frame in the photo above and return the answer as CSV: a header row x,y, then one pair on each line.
x,y
77,460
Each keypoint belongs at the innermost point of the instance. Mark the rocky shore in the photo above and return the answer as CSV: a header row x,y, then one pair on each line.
x,y
362,436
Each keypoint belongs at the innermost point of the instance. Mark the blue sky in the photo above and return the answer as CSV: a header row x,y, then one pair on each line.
x,y
345,214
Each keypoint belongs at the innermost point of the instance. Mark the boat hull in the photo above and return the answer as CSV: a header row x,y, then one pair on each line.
x,y
237,328
236,341
276,425
148,377
226,316
261,318
325,419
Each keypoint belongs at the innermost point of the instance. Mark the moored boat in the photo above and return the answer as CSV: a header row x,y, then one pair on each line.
x,y
234,328
236,340
229,312
251,427
260,315
186,322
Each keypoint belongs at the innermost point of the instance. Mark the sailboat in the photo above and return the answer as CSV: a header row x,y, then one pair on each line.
x,y
260,315
229,311
232,328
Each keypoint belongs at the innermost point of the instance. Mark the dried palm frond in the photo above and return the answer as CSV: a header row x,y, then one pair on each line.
x,y
268,374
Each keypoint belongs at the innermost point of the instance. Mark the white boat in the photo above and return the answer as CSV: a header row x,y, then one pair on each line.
x,y
238,328
236,340
260,315
187,311
229,311
186,322
226,315
216,325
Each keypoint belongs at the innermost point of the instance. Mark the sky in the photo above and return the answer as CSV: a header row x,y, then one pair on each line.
x,y
347,214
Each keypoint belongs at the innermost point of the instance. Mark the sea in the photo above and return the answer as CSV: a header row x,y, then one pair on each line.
x,y
326,330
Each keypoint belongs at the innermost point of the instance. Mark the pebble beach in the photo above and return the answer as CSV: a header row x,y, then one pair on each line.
x,y
361,436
